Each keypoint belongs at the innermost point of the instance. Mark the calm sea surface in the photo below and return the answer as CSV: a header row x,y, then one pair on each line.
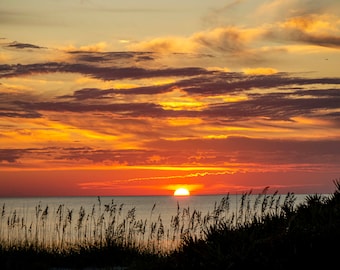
x,y
166,206
145,206
60,221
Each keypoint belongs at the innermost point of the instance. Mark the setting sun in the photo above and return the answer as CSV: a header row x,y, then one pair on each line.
x,y
181,192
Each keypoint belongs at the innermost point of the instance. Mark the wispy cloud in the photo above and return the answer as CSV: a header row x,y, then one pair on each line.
x,y
18,45
104,73
240,152
312,29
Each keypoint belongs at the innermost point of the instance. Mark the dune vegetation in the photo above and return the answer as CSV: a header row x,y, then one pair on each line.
x,y
270,232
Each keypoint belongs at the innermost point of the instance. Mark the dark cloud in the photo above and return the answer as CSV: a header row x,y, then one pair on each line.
x,y
18,45
10,155
122,156
234,150
213,83
66,154
127,109
278,106
14,155
321,40
248,150
238,82
298,35
318,93
14,114
95,93
7,71
103,73
301,99
112,56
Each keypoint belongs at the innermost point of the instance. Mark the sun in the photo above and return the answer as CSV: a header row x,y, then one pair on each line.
x,y
181,192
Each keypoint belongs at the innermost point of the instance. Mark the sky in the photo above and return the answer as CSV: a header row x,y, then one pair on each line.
x,y
109,98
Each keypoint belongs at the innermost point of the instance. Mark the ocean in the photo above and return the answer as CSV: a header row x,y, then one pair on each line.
x,y
156,222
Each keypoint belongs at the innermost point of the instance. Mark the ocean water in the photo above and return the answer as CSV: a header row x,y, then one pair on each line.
x,y
156,222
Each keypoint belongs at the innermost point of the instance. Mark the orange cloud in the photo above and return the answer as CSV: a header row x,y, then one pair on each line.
x,y
313,24
97,47
321,30
223,39
166,45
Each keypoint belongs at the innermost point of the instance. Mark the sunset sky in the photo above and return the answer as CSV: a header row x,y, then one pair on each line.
x,y
131,97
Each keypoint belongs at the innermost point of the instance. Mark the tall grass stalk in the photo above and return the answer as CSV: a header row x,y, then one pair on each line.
x,y
63,229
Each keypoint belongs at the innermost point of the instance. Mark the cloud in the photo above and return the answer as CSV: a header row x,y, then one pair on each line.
x,y
229,153
215,15
277,10
10,155
274,106
79,155
208,89
95,93
99,47
212,83
14,114
248,150
99,72
18,45
126,58
131,109
107,156
231,40
314,29
252,44
166,45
